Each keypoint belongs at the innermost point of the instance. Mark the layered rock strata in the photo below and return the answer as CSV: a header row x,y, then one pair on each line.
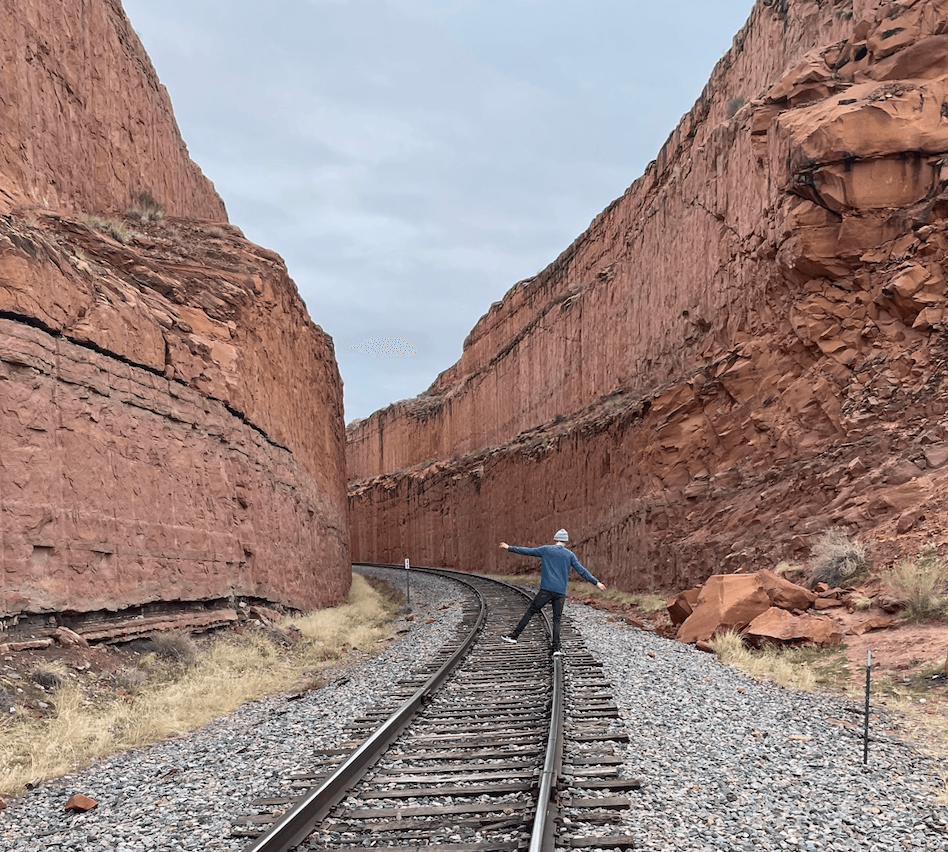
x,y
170,422
743,350
170,417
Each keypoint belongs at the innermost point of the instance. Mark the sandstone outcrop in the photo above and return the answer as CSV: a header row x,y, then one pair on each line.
x,y
725,602
170,416
745,349
762,607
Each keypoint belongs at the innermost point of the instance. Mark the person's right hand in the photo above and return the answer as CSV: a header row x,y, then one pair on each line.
x,y
504,545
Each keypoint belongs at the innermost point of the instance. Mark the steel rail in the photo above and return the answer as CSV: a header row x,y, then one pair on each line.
x,y
297,824
543,834
293,827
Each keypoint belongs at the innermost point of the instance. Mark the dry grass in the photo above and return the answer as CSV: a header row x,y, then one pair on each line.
x,y
162,698
358,624
114,227
794,668
649,604
645,603
836,558
921,583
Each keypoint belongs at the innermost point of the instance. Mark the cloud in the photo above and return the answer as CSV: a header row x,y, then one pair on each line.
x,y
411,160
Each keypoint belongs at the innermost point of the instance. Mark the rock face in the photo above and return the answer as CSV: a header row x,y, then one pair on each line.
x,y
743,350
170,417
86,125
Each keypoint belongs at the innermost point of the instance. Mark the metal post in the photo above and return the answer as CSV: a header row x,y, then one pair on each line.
x,y
407,583
865,731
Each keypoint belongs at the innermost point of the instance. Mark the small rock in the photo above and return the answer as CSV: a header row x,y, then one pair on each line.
x,y
69,638
80,803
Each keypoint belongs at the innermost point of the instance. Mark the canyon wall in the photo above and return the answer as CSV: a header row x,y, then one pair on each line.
x,y
86,126
170,416
742,351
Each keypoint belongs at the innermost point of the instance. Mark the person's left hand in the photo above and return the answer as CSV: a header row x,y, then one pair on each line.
x,y
601,586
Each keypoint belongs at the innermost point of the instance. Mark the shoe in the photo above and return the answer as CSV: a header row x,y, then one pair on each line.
x,y
509,639
557,653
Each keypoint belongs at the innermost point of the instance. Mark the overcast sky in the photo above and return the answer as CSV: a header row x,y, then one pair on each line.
x,y
411,160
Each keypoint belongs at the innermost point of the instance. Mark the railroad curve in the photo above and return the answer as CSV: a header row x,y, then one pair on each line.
x,y
467,755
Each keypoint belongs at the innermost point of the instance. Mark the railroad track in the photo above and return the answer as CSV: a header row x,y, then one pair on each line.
x,y
492,747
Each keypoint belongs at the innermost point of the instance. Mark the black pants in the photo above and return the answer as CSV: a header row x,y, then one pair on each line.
x,y
544,596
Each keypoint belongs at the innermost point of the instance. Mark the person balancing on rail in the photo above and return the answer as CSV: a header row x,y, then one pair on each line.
x,y
557,559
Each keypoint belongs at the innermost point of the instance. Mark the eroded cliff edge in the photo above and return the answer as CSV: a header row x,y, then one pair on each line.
x,y
170,416
743,350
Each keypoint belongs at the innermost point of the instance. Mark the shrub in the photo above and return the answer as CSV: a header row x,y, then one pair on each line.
x,y
921,584
146,208
47,679
734,105
174,646
836,558
131,679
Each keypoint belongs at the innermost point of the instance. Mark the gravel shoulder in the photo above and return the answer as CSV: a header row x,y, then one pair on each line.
x,y
732,763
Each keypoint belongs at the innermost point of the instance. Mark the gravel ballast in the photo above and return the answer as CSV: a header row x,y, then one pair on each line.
x,y
729,763
732,763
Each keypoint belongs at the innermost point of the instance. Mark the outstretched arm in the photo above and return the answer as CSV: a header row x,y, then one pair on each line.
x,y
584,573
524,551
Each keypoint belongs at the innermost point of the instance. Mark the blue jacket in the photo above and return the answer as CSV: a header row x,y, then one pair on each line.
x,y
557,560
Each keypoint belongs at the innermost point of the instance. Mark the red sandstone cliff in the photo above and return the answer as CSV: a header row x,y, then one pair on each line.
x,y
170,417
86,126
745,348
